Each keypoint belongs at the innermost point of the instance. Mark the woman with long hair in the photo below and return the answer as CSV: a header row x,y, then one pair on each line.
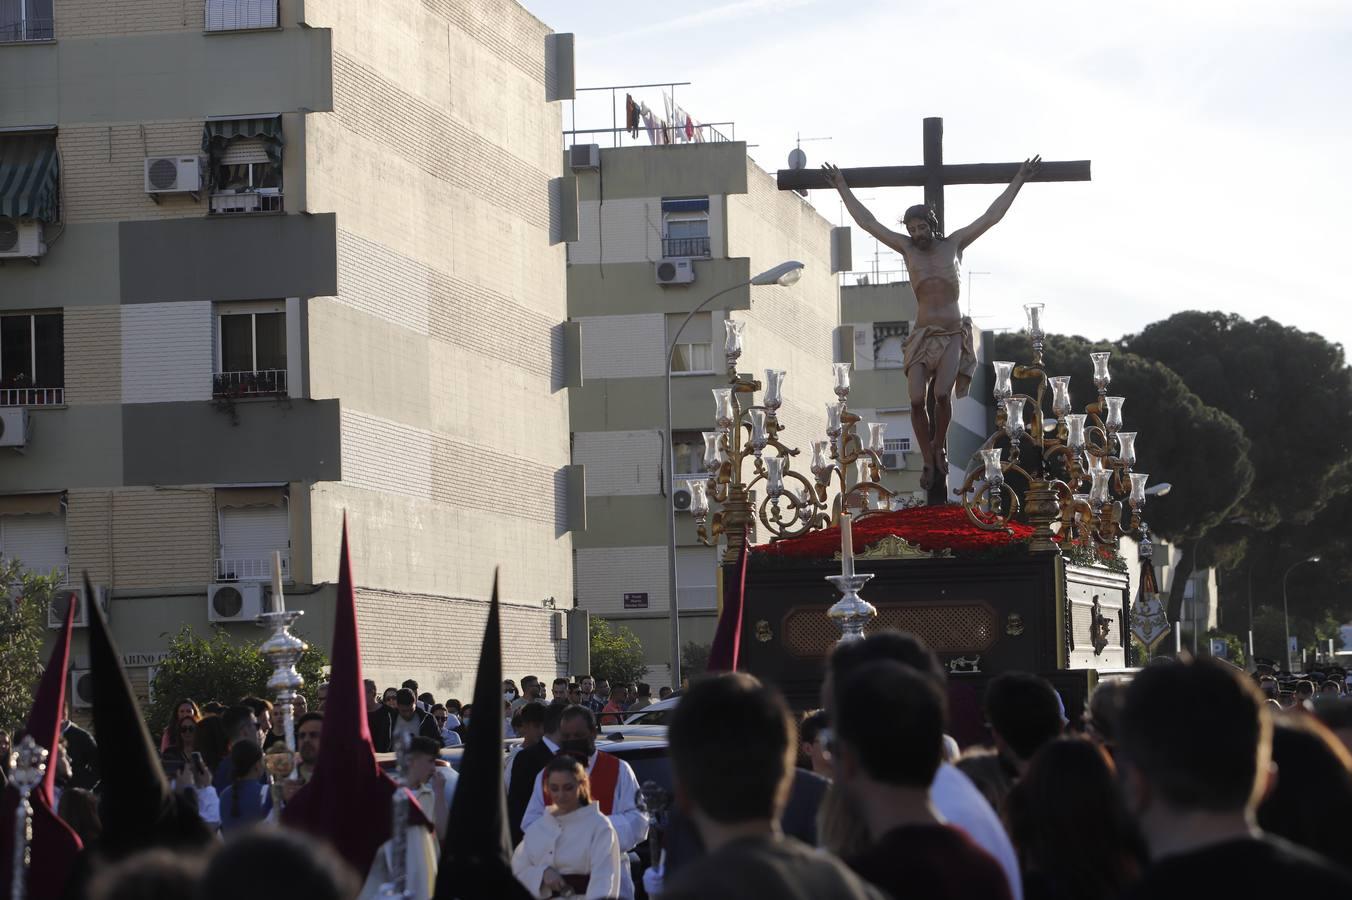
x,y
245,801
573,849
185,708
1070,826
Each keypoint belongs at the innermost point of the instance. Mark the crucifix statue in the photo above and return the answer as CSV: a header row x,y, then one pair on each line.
x,y
938,357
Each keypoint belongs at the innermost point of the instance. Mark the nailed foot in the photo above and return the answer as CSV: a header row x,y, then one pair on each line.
x,y
927,477
941,460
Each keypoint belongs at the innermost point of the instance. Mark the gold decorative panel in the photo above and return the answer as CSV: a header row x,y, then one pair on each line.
x,y
945,628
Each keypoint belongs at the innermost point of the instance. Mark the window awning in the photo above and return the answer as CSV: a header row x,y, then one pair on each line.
x,y
688,204
30,505
29,170
218,134
242,498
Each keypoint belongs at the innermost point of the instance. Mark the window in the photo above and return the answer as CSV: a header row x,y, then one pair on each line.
x,y
897,445
889,338
685,227
251,350
688,455
30,174
697,576
237,15
33,531
32,359
694,354
25,20
245,163
254,523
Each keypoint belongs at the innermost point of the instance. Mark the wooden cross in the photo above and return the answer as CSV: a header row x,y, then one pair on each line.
x,y
933,175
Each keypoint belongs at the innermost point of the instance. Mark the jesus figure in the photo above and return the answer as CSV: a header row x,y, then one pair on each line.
x,y
938,355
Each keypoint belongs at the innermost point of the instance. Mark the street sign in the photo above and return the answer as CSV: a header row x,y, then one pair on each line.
x,y
636,600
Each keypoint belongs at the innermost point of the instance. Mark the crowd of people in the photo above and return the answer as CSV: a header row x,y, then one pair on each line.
x,y
1190,774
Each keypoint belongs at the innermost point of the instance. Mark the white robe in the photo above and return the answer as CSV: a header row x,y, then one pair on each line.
x,y
580,842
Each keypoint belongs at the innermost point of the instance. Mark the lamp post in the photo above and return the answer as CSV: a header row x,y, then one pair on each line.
x,y
785,274
1286,615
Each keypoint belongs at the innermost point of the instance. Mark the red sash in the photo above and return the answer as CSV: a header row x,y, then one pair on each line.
x,y
605,775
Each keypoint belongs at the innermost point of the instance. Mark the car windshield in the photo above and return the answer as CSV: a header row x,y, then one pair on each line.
x,y
656,717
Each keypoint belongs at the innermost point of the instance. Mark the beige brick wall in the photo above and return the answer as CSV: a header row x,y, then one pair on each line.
x,y
103,170
93,354
100,18
436,641
143,537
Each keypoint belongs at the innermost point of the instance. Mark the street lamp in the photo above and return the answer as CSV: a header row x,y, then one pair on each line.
x,y
1286,615
784,274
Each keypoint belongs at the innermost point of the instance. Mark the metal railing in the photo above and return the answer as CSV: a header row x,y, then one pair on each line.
x,y
263,383
675,248
239,15
27,29
237,202
869,276
259,569
32,396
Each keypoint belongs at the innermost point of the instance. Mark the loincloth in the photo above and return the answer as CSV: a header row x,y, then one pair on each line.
x,y
926,347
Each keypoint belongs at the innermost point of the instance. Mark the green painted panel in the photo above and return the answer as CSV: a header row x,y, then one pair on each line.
x,y
627,404
631,288
80,269
679,170
70,447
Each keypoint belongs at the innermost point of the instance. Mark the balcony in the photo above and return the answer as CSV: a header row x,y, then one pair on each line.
x,y
685,247
264,200
240,15
27,28
32,396
237,385
259,569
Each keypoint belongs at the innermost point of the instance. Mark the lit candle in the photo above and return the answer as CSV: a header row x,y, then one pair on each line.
x,y
278,603
846,544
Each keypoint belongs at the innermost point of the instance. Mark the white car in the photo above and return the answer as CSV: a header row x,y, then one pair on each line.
x,y
649,722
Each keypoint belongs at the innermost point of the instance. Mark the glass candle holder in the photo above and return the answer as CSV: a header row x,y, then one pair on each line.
x,y
821,458
1114,419
1004,386
1034,313
833,419
1126,448
994,475
1060,394
842,377
877,436
758,434
774,476
723,407
732,345
1075,431
862,475
774,389
699,498
713,454
1014,415
1101,376
1138,480
1098,489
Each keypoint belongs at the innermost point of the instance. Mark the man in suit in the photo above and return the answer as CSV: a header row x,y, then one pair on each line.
x,y
527,764
388,724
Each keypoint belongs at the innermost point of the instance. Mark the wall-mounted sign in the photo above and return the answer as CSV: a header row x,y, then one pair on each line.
x,y
636,601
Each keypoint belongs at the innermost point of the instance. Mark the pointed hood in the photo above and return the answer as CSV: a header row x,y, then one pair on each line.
x,y
136,805
347,800
726,648
476,857
54,844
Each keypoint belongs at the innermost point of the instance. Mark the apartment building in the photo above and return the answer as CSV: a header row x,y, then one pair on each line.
x,y
267,264
662,229
877,316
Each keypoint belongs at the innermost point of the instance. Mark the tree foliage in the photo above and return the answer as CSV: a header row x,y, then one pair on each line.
x,y
23,621
616,653
221,669
694,658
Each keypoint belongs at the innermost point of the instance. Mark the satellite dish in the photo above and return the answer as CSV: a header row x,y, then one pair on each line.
x,y
797,158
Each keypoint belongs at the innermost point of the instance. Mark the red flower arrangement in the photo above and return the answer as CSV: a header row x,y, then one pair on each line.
x,y
932,528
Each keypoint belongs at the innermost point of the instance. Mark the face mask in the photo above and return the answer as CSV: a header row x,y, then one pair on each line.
x,y
582,747
509,696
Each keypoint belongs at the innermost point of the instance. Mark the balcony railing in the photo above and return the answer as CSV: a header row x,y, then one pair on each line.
x,y
252,569
32,396
237,202
678,248
264,383
26,29
238,15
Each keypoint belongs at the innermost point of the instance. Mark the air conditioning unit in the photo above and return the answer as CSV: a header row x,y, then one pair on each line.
x,y
81,688
236,601
173,174
557,630
56,610
13,426
894,461
674,271
21,239
681,498
584,156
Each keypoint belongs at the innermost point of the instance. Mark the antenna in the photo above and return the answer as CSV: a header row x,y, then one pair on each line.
x,y
798,159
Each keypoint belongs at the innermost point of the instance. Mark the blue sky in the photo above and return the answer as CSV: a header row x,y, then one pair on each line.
x,y
1220,134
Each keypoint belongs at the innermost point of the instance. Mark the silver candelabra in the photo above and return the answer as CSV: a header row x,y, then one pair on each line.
x,y
27,765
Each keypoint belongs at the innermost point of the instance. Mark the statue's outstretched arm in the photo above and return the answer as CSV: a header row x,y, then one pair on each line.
x,y
859,212
965,235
